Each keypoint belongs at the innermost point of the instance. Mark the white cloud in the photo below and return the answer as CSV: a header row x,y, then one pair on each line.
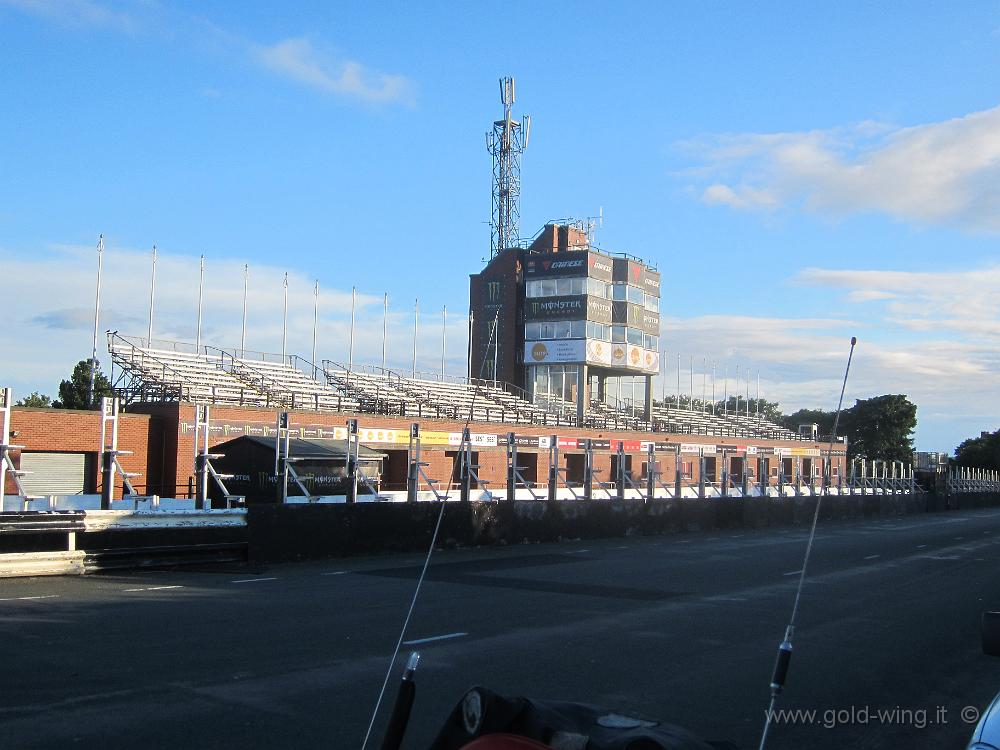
x,y
939,173
76,13
294,58
299,60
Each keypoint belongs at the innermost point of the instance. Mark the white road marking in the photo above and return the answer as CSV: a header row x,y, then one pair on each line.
x,y
623,547
577,551
793,572
29,598
921,546
335,573
154,588
872,557
253,580
942,557
418,641
726,599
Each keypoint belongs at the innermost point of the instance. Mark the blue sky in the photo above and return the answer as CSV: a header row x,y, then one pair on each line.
x,y
799,173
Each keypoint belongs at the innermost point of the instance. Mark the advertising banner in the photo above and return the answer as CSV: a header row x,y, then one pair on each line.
x,y
600,310
559,350
572,307
601,267
556,264
598,352
649,280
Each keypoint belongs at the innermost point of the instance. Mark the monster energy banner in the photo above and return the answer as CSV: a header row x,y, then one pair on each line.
x,y
556,308
636,316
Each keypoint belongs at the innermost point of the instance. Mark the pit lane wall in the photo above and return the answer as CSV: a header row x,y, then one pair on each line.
x,y
300,532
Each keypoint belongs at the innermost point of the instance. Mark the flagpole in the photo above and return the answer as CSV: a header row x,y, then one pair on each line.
x,y
713,388
315,323
243,334
678,380
444,337
691,384
725,398
152,294
704,384
416,318
201,294
97,315
385,325
284,318
350,350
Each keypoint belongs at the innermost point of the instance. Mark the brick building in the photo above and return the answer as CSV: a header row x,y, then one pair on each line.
x,y
161,440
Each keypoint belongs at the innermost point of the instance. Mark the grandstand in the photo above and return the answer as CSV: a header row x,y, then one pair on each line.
x,y
157,370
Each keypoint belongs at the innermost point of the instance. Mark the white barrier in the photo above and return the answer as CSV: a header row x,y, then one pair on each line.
x,y
18,564
112,520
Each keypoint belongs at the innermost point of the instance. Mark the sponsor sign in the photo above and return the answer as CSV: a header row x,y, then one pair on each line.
x,y
649,280
556,308
600,267
599,310
809,452
556,264
650,322
570,443
558,350
694,448
629,446
598,352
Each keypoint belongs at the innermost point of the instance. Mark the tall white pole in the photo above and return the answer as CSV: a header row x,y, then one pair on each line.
x,y
678,380
663,378
97,316
201,294
284,317
385,324
758,394
748,393
713,388
350,346
691,384
704,384
315,323
496,346
468,349
736,413
152,296
725,397
246,284
444,336
416,323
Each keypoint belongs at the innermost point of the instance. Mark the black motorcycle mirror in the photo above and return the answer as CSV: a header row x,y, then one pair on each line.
x,y
990,629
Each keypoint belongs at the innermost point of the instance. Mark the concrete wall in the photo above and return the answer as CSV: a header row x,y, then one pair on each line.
x,y
282,533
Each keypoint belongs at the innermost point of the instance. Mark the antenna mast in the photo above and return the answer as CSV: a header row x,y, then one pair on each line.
x,y
506,142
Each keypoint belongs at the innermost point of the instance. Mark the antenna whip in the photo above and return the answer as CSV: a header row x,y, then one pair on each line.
x,y
785,648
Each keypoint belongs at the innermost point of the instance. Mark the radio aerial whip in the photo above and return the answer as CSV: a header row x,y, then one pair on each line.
x,y
785,647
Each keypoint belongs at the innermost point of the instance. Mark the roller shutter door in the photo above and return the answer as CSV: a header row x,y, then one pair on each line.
x,y
54,473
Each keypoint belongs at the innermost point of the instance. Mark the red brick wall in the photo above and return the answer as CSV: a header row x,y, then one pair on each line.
x,y
75,431
179,448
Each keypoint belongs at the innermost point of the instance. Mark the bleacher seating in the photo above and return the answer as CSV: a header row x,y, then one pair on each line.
x,y
182,372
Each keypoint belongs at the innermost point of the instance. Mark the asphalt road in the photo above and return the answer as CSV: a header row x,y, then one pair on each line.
x,y
680,627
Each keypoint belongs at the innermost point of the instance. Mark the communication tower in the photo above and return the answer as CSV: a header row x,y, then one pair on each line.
x,y
506,142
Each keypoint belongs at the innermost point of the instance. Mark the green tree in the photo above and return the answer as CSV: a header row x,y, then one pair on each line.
x,y
769,410
880,428
982,452
35,399
73,393
811,416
